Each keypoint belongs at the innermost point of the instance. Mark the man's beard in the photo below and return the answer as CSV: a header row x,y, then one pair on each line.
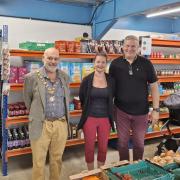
x,y
49,68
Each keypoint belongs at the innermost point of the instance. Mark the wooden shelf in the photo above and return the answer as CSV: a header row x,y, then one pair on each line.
x,y
38,54
174,78
164,61
165,43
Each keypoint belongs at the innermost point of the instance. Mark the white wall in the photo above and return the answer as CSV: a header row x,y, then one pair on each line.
x,y
21,30
119,34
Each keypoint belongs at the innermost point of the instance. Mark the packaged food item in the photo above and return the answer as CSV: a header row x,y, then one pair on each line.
x,y
22,71
61,45
77,47
65,67
32,65
13,75
87,68
77,103
5,64
75,72
70,46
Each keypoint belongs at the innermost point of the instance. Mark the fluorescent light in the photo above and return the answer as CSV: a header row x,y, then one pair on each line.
x,y
168,11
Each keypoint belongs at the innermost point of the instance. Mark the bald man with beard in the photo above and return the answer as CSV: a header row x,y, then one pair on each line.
x,y
46,95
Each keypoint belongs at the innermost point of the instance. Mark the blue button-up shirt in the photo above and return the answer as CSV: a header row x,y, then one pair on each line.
x,y
55,109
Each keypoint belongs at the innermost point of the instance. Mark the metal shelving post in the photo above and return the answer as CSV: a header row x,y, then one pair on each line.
x,y
4,134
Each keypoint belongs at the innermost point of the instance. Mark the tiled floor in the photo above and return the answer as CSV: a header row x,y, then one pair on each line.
x,y
19,168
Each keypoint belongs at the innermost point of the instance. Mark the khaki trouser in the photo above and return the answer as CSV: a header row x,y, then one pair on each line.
x,y
53,138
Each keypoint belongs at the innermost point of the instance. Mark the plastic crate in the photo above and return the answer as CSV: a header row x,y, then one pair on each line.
x,y
171,166
176,173
35,46
143,170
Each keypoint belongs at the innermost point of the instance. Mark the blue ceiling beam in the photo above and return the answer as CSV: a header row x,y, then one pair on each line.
x,y
111,11
141,23
45,10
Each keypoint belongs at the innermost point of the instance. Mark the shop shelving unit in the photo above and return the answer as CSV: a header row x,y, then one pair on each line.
x,y
175,78
7,121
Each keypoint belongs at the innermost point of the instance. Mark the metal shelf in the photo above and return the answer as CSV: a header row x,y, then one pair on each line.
x,y
165,43
165,61
174,78
16,120
19,87
162,97
39,54
73,142
24,119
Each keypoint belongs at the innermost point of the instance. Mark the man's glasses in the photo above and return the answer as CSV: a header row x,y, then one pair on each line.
x,y
51,58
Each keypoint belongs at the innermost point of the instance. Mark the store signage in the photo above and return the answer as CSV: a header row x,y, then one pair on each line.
x,y
146,46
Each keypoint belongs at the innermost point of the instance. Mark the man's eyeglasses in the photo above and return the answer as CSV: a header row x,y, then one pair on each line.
x,y
51,58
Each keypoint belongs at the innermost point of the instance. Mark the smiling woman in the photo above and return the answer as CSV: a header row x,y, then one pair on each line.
x,y
96,96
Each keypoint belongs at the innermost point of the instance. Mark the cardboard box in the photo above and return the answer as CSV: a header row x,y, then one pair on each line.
x,y
100,173
83,174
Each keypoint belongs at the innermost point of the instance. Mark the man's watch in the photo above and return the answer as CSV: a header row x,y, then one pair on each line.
x,y
156,109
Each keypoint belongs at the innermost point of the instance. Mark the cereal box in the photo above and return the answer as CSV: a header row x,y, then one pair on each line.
x,y
65,67
75,72
87,68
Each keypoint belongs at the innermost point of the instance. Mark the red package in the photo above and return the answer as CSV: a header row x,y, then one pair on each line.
x,y
61,45
13,75
70,46
77,47
22,71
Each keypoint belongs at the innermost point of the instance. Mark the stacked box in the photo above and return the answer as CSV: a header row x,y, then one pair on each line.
x,y
36,46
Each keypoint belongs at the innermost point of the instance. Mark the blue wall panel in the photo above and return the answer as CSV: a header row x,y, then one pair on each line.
x,y
127,7
124,8
176,26
46,10
141,23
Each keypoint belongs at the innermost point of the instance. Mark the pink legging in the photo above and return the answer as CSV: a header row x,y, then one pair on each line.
x,y
101,126
138,124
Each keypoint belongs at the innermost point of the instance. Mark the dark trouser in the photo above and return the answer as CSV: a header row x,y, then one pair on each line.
x,y
101,127
138,124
